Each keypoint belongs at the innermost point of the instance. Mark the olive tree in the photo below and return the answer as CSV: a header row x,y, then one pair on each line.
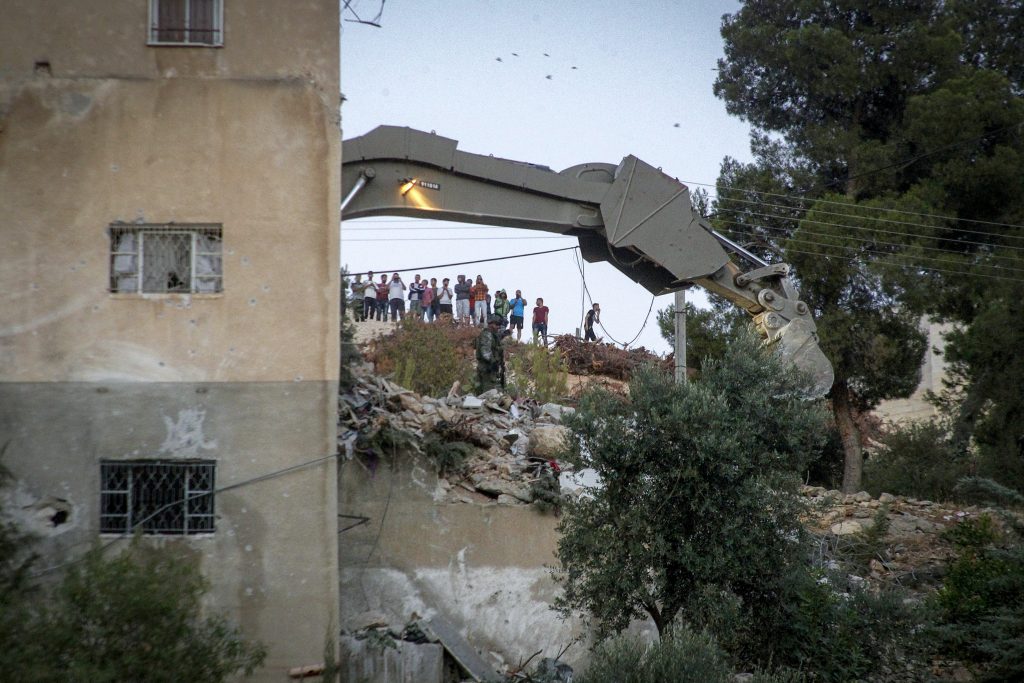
x,y
698,491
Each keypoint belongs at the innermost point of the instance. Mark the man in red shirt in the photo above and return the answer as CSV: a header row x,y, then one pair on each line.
x,y
540,321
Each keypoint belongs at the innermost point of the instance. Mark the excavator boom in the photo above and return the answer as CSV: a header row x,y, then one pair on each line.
x,y
631,215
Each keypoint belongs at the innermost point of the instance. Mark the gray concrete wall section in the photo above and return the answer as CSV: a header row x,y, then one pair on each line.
x,y
483,567
270,562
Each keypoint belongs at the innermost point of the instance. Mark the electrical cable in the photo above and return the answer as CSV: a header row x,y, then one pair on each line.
x,y
460,263
453,239
605,329
798,237
872,218
868,208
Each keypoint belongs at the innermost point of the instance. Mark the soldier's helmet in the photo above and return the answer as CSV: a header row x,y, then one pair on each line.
x,y
494,320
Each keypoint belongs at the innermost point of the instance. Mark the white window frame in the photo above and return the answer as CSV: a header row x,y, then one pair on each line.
x,y
154,30
194,231
125,522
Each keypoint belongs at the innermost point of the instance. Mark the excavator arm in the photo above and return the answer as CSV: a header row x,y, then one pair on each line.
x,y
631,215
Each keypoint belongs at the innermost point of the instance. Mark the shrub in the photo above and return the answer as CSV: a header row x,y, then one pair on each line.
x,y
837,632
680,655
538,373
427,358
982,601
918,460
983,491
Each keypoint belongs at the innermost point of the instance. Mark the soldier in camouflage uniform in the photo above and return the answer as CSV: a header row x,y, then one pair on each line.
x,y
490,357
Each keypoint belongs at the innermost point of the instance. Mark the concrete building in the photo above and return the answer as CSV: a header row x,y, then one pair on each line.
x,y
933,372
169,193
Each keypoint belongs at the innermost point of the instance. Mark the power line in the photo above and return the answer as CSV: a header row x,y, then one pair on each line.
x,y
877,220
451,239
460,263
862,207
798,237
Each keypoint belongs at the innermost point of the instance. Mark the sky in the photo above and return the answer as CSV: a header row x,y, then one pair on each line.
x,y
640,69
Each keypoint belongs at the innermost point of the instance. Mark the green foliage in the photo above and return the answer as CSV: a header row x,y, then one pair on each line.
x,y
985,374
679,655
857,550
982,600
916,459
448,456
860,631
546,491
698,489
424,358
983,491
132,617
539,373
708,332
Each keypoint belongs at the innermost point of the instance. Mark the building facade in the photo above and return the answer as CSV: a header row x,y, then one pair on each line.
x,y
169,186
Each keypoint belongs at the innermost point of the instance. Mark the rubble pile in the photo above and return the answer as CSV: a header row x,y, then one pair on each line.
x,y
508,448
588,358
910,552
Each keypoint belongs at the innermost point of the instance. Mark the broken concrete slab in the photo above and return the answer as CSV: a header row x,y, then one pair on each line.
x,y
547,441
460,649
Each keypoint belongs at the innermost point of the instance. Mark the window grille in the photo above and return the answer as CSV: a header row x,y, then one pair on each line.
x,y
186,22
165,259
159,496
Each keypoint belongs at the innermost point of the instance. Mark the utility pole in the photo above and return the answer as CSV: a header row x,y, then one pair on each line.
x,y
680,305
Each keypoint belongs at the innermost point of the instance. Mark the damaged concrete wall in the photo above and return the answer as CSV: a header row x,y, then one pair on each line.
x,y
97,127
483,567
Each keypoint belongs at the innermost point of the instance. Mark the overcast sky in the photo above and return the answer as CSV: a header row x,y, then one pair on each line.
x,y
641,68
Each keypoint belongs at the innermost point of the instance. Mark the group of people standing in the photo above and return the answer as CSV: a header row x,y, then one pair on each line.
x,y
466,302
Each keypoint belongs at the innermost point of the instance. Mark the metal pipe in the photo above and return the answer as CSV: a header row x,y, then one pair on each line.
x,y
360,184
740,250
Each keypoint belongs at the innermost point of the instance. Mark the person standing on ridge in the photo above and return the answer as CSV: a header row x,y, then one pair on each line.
x,y
502,307
462,312
518,310
396,294
416,288
479,293
445,298
540,321
593,316
382,298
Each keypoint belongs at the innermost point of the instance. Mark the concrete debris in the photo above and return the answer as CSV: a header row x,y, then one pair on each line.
x,y
546,441
911,553
514,444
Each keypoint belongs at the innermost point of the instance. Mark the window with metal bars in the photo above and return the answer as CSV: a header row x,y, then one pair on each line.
x,y
165,497
166,259
186,22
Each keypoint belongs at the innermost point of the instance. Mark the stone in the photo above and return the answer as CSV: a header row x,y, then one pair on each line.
x,y
846,528
743,678
491,395
497,487
547,441
861,497
862,513
813,492
926,526
556,411
886,499
505,499
876,566
410,402
472,403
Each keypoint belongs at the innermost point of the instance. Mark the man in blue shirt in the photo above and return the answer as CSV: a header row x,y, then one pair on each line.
x,y
518,311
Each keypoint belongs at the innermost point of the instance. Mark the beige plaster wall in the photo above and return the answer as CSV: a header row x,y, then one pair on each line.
x,y
263,39
485,568
256,157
